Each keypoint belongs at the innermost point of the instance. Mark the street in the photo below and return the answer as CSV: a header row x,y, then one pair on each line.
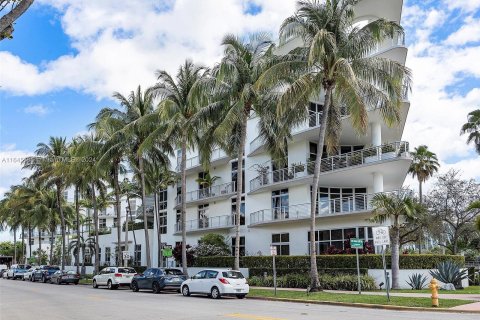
x,y
25,300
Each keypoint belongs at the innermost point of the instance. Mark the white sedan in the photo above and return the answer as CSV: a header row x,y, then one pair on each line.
x,y
28,274
217,283
114,277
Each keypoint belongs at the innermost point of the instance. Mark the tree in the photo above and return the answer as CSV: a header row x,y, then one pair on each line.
x,y
212,244
399,208
472,127
424,165
335,60
177,111
475,206
17,8
449,202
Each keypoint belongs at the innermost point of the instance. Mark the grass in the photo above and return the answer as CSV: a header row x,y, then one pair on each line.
x,y
468,290
85,281
352,298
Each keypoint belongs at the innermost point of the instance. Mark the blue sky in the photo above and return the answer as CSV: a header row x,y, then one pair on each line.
x,y
67,58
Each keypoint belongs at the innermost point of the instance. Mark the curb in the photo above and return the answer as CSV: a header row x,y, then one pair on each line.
x,y
364,305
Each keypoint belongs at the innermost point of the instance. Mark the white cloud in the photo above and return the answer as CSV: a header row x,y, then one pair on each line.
x,y
11,172
469,32
37,109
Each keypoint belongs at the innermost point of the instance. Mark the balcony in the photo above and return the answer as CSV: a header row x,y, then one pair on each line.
x,y
326,208
218,192
218,156
299,173
208,223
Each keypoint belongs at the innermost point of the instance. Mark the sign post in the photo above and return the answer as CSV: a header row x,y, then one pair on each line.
x,y
126,257
381,237
357,244
167,252
273,253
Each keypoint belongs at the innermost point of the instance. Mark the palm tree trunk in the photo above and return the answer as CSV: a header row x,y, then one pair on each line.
x,y
184,206
144,212
52,239
239,189
315,281
395,257
119,212
62,221
23,244
420,193
133,229
95,226
39,262
29,242
125,263
159,233
77,213
15,245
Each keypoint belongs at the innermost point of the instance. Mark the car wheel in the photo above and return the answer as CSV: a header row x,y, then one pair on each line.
x,y
44,279
32,279
156,287
95,286
23,278
58,281
240,296
110,286
215,293
134,286
76,282
185,291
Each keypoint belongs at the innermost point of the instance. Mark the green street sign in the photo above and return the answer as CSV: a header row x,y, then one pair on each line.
x,y
356,243
167,252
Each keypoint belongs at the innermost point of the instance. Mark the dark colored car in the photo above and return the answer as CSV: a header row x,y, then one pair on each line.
x,y
67,277
44,273
157,279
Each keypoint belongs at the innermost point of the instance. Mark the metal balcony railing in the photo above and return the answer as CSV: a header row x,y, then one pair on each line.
x,y
224,221
329,164
195,161
220,190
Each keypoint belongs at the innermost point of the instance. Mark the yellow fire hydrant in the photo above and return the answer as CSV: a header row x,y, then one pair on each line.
x,y
434,287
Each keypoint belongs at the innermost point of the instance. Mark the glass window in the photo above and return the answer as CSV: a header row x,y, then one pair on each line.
x,y
203,221
232,274
128,270
281,242
242,210
173,272
235,173
200,275
242,246
280,204
211,274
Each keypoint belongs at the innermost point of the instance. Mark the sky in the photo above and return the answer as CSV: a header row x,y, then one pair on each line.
x,y
67,57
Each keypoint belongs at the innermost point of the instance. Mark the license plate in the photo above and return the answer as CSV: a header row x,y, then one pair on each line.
x,y
128,276
238,290
71,277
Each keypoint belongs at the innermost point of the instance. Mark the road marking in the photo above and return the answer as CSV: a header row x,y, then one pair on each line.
x,y
251,316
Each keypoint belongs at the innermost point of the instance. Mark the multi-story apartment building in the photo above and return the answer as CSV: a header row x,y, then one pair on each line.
x,y
276,201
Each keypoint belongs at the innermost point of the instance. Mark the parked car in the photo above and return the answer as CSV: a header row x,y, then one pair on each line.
x,y
158,279
5,273
3,268
16,271
67,277
44,273
114,277
217,283
28,274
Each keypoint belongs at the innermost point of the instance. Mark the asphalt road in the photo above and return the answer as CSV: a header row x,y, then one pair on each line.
x,y
37,301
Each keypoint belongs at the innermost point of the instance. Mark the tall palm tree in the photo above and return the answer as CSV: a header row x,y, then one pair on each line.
x,y
49,166
335,61
424,165
177,110
399,208
472,127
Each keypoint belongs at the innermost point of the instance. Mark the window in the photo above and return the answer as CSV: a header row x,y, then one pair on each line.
x,y
162,199
107,255
235,173
200,275
314,112
32,241
211,274
115,222
138,254
102,223
338,200
65,195
203,221
280,204
99,254
336,239
162,217
281,241
242,246
242,210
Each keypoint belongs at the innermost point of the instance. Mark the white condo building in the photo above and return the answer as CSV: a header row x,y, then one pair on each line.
x,y
276,205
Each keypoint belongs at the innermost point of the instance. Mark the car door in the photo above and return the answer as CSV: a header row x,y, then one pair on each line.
x,y
143,281
196,283
102,277
210,281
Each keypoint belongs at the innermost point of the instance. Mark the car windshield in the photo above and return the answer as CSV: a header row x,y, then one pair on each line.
x,y
21,266
232,274
173,272
126,270
53,268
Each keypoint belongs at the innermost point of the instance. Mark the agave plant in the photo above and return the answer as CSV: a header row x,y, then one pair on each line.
x,y
417,281
449,272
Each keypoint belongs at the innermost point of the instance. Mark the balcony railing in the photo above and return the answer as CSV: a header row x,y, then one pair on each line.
x,y
220,190
195,161
224,221
325,207
329,164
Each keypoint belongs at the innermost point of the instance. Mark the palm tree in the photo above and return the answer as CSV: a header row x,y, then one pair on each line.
x,y
472,127
335,60
399,208
49,166
424,165
475,205
176,110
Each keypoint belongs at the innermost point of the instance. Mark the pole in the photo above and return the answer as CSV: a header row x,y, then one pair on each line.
x,y
274,276
358,274
125,262
387,284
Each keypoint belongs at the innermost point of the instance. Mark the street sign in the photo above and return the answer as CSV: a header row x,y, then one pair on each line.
x,y
356,243
381,236
167,252
273,250
126,255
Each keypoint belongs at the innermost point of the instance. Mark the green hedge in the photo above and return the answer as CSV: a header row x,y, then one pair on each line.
x,y
368,261
328,282
284,271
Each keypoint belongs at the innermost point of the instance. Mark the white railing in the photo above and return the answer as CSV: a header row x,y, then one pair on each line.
x,y
346,160
224,221
313,121
195,161
220,190
325,207
256,144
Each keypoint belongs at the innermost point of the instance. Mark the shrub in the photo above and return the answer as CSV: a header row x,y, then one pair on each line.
x,y
177,254
449,272
284,271
417,281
